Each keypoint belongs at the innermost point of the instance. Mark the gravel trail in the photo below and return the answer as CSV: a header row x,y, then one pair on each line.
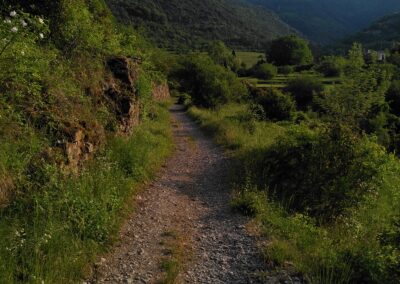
x,y
190,197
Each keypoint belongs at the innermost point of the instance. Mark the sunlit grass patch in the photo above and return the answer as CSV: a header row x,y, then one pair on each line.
x,y
53,232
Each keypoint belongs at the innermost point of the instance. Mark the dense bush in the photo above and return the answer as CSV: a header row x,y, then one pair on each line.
x,y
321,173
290,50
223,56
393,98
303,89
285,70
331,66
276,105
265,71
209,84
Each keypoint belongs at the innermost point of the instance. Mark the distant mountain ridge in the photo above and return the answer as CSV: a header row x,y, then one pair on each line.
x,y
379,35
190,24
326,21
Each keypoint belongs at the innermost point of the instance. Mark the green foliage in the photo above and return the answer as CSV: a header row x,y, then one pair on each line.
x,y
361,245
209,84
321,174
144,89
360,93
265,71
222,55
276,105
356,58
290,50
180,24
393,97
285,70
83,211
380,34
304,89
23,63
331,66
52,75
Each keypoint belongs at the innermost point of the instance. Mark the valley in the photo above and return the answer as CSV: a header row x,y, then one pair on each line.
x,y
217,141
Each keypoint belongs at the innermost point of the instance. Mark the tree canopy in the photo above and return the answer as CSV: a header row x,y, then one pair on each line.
x,y
290,50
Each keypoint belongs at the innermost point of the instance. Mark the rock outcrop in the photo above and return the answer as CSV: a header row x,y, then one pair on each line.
x,y
122,94
80,139
118,93
161,92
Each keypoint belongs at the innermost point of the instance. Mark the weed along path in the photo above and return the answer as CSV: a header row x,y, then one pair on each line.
x,y
183,230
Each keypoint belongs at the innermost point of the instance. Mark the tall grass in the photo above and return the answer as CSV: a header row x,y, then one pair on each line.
x,y
52,231
359,247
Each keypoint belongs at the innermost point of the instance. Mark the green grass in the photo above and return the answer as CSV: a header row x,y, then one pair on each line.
x,y
349,250
280,81
53,232
176,256
231,128
249,58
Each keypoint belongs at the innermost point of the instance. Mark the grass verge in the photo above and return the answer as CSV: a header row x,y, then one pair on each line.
x,y
52,232
359,247
176,256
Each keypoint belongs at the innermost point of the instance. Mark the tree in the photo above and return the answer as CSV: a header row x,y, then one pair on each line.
x,y
290,50
265,71
361,93
356,58
277,106
393,98
331,66
209,84
222,55
303,89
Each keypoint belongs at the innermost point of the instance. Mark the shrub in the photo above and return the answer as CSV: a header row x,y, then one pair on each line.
x,y
290,50
393,98
331,66
285,70
223,56
321,173
276,105
265,71
303,89
209,84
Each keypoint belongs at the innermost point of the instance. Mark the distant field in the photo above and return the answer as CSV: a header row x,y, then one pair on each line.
x,y
281,81
249,58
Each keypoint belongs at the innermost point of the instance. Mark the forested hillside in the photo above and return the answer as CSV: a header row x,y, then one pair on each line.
x,y
184,24
324,21
380,35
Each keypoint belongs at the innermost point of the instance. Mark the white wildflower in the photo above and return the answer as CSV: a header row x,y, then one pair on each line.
x,y
22,53
41,21
23,23
13,14
7,21
41,35
14,30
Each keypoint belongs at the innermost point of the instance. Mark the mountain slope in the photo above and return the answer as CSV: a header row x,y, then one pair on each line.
x,y
381,34
325,21
181,24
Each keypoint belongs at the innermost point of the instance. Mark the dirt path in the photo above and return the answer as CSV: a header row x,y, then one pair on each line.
x,y
185,211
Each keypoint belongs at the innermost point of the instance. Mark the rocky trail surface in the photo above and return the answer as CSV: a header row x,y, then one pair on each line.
x,y
183,223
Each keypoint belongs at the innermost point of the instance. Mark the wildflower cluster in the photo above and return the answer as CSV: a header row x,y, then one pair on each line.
x,y
19,240
19,26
